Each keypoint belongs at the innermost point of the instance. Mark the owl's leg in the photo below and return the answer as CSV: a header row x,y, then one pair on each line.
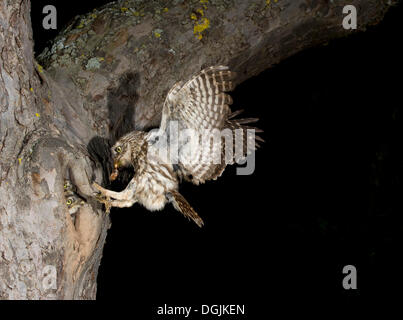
x,y
180,204
126,194
122,203
115,203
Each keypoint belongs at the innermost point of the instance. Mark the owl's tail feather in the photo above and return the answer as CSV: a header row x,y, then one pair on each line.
x,y
180,204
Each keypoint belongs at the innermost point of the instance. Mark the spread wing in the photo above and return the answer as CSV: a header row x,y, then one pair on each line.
x,y
200,102
201,106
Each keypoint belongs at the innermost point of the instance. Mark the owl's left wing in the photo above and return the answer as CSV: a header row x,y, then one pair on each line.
x,y
202,106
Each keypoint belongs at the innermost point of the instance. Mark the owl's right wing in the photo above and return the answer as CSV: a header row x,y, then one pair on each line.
x,y
201,101
200,105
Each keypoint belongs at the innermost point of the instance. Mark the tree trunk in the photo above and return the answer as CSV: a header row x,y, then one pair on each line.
x,y
106,74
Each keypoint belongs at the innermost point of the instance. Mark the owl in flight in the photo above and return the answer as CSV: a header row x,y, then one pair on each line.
x,y
200,107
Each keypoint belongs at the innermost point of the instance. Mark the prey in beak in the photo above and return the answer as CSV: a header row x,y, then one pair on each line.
x,y
115,172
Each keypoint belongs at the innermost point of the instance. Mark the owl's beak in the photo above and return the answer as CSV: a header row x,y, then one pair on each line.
x,y
115,171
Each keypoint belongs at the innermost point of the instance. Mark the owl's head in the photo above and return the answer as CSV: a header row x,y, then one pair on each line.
x,y
68,186
73,203
126,150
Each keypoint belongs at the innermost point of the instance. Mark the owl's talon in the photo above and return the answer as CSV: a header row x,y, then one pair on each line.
x,y
106,201
99,196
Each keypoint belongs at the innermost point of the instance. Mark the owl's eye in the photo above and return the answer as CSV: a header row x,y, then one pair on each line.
x,y
66,185
118,149
69,202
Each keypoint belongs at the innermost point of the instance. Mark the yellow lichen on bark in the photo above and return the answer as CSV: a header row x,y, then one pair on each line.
x,y
200,27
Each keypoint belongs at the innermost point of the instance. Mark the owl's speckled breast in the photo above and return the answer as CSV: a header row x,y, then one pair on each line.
x,y
153,183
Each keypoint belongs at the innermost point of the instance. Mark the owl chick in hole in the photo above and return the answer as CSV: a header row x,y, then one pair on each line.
x,y
73,200
202,106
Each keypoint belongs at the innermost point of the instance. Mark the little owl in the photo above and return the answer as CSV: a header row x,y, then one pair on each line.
x,y
201,108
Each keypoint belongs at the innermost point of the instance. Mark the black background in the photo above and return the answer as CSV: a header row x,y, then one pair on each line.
x,y
327,190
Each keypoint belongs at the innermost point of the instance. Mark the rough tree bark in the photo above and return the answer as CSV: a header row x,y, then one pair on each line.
x,y
107,73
